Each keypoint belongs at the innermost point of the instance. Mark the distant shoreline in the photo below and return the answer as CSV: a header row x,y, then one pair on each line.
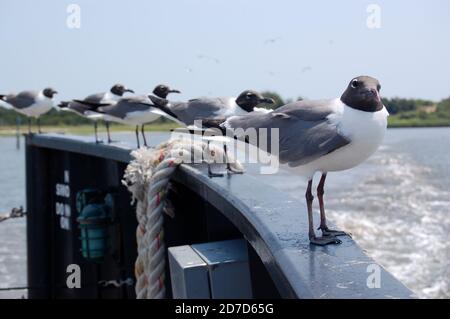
x,y
83,129
417,126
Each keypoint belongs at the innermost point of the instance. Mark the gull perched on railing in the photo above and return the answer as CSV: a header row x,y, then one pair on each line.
x,y
98,99
322,136
208,108
137,110
31,103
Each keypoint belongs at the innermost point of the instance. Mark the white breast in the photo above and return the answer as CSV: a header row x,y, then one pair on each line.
x,y
365,130
231,108
141,117
110,97
43,105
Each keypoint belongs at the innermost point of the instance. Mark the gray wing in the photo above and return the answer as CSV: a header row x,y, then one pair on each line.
x,y
78,107
22,100
305,133
94,98
127,105
196,109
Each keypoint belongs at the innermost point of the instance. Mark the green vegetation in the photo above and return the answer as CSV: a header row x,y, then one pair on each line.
x,y
84,129
68,122
417,113
403,113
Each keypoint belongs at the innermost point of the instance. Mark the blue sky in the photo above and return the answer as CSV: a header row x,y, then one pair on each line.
x,y
219,47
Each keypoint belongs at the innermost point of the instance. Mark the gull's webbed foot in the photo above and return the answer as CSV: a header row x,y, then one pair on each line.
x,y
332,232
324,240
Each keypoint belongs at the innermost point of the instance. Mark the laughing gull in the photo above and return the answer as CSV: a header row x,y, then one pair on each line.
x,y
324,136
208,108
31,103
106,98
81,109
139,103
137,110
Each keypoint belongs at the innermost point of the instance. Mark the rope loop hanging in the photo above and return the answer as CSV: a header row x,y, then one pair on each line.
x,y
147,178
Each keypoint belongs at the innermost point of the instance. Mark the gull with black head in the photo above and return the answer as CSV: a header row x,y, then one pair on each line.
x,y
324,136
31,103
105,98
137,110
209,108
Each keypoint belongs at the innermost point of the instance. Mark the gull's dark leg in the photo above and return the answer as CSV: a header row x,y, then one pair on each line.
x,y
96,132
137,136
210,172
38,120
321,241
323,220
29,125
143,135
107,131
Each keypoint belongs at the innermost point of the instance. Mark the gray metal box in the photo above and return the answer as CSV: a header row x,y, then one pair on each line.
x,y
189,274
229,272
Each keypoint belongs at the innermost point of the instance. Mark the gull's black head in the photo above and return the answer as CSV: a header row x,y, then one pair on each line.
x,y
49,92
120,89
249,99
163,90
363,93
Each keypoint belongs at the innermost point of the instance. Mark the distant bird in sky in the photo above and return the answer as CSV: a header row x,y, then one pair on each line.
x,y
31,103
306,69
272,40
113,95
207,57
324,136
80,109
206,108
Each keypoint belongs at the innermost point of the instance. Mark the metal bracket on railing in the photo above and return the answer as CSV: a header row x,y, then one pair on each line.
x,y
15,213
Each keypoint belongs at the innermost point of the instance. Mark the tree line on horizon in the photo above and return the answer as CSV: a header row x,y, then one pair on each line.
x,y
401,108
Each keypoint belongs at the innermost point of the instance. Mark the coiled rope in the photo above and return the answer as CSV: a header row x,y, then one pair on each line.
x,y
147,178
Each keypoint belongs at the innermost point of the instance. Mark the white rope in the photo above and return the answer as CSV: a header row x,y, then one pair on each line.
x,y
147,178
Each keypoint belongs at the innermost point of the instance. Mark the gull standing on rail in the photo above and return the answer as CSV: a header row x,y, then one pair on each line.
x,y
31,103
325,136
208,108
106,98
136,110
81,109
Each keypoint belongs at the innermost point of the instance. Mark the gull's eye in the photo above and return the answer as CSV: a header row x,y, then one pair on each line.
x,y
249,95
355,83
378,87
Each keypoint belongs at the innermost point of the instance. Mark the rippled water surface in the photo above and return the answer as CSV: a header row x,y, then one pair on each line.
x,y
396,205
